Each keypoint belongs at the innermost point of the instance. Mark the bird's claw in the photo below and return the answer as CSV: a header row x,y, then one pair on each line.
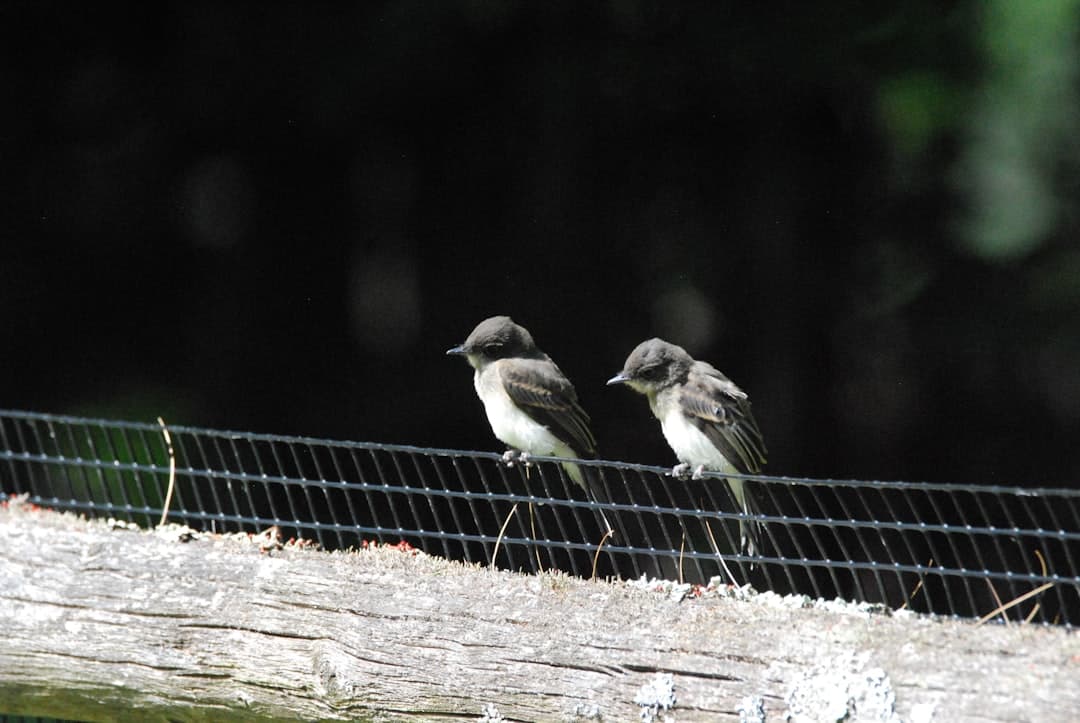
x,y
512,456
681,471
685,472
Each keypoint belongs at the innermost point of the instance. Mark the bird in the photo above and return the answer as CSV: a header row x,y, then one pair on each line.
x,y
705,418
530,404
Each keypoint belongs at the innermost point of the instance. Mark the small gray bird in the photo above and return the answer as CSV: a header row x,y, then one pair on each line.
x,y
705,418
530,404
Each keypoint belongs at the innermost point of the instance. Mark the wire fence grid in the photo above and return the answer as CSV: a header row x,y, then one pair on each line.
x,y
957,550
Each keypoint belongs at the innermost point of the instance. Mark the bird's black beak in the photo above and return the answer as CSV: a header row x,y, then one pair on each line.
x,y
619,378
456,350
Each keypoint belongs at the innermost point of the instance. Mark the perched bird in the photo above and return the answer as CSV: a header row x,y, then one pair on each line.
x,y
705,418
531,405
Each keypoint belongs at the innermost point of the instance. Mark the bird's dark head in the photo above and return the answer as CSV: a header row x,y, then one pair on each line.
x,y
496,338
654,365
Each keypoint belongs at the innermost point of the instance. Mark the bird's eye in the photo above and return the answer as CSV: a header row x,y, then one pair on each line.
x,y
651,373
491,349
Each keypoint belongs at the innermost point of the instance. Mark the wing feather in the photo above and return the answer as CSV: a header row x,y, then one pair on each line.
x,y
722,412
545,394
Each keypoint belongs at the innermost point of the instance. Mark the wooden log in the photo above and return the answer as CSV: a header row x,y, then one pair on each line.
x,y
101,621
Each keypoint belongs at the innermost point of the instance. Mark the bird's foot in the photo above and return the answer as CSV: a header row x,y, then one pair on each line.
x,y
512,456
685,471
681,471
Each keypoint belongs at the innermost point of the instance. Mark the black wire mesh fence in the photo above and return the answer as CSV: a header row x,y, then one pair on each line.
x,y
961,550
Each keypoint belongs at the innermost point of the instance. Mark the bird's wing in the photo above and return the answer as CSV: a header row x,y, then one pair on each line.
x,y
546,395
722,412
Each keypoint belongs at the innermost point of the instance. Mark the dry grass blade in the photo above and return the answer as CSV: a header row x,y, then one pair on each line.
x,y
596,557
1035,609
918,586
1017,601
1004,617
716,551
682,550
172,471
532,527
502,531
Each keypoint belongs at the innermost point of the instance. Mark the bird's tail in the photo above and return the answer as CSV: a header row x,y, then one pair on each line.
x,y
589,480
750,531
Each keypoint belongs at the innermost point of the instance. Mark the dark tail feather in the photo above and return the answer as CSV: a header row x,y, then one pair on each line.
x,y
751,532
597,493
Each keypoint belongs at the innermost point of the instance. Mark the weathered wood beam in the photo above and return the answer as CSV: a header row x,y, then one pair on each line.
x,y
100,621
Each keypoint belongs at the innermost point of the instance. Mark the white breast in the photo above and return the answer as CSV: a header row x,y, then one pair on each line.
x,y
513,426
691,445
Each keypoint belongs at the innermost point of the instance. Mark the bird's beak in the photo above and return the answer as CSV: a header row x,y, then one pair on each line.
x,y
619,378
456,350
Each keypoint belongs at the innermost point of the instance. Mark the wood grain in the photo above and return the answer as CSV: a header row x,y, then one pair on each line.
x,y
100,622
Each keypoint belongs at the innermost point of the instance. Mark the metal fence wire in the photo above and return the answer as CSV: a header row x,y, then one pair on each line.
x,y
959,550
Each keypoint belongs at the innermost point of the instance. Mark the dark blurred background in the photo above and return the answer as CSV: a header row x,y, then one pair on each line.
x,y
277,217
